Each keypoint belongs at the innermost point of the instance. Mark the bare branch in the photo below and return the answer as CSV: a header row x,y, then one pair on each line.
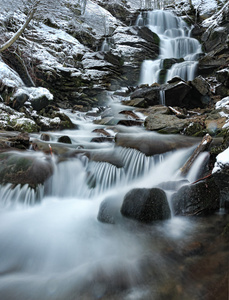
x,y
20,31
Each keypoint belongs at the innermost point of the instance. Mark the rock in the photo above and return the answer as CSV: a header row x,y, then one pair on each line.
x,y
45,137
199,199
102,139
151,143
165,123
136,102
213,38
20,141
146,205
21,168
150,94
176,92
14,140
18,101
173,185
40,103
64,139
201,85
196,128
130,122
109,211
223,77
102,132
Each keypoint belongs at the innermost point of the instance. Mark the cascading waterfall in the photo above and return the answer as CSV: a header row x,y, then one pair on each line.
x,y
58,250
176,46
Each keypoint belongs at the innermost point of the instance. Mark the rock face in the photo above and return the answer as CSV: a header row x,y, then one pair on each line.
x,y
200,199
146,205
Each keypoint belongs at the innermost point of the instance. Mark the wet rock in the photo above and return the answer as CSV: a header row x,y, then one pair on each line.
x,y
102,132
172,185
130,114
146,205
23,168
152,143
20,141
195,248
45,137
109,211
199,199
64,139
102,139
130,122
165,123
14,140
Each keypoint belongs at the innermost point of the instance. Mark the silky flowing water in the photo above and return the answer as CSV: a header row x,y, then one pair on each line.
x,y
52,247
176,44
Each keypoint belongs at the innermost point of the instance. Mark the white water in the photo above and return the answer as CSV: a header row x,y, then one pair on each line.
x,y
175,42
58,250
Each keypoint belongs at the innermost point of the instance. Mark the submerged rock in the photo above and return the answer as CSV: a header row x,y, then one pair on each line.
x,y
109,210
146,205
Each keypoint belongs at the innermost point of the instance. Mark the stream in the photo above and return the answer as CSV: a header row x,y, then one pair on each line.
x,y
52,246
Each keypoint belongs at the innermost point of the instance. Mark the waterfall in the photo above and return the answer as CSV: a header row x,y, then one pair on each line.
x,y
162,97
105,45
175,44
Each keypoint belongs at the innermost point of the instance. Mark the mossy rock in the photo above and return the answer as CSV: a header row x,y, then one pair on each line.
x,y
26,125
20,168
195,129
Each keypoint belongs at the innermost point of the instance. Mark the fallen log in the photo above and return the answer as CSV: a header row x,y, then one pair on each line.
x,y
206,141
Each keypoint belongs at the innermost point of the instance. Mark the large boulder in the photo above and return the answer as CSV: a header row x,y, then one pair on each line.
x,y
146,205
199,199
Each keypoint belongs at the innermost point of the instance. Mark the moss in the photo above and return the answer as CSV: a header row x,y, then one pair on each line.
x,y
27,126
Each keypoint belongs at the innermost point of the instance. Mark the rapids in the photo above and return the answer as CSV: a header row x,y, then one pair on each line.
x,y
52,245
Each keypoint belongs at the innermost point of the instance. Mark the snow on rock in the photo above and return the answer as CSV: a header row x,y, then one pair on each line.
x,y
99,19
223,103
34,93
221,159
217,18
9,77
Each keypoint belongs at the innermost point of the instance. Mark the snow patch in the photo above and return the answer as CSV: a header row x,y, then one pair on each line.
x,y
9,77
221,159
